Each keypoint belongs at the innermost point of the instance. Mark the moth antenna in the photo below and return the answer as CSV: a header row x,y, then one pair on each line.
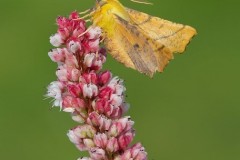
x,y
142,2
102,40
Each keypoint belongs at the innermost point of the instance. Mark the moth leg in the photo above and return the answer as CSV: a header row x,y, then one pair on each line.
x,y
102,39
97,54
80,18
85,31
85,16
88,20
86,11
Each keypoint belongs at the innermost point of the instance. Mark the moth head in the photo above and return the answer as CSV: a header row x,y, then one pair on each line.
x,y
101,2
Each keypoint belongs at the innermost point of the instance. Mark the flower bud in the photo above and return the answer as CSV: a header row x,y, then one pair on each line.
x,y
100,105
112,145
88,59
94,33
105,123
100,140
125,139
71,104
126,122
105,93
55,90
88,143
117,157
104,77
74,89
90,90
74,75
116,100
74,46
97,154
70,60
116,113
84,131
56,40
136,152
94,119
126,155
77,118
62,73
94,45
90,78
57,55
73,137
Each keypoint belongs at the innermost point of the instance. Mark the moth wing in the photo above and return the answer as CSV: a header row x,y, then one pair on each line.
x,y
133,48
172,35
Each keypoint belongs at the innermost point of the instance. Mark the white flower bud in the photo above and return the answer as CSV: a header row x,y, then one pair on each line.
x,y
56,40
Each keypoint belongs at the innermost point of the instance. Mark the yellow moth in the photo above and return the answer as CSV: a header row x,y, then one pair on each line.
x,y
138,40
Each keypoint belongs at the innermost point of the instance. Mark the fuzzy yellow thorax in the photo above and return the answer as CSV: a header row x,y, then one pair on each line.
x,y
105,13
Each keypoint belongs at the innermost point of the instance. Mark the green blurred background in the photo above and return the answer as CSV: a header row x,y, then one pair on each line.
x,y
190,112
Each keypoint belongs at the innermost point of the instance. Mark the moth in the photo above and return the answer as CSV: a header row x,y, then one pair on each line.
x,y
138,40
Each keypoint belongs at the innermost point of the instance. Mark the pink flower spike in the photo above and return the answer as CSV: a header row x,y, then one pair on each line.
x,y
93,97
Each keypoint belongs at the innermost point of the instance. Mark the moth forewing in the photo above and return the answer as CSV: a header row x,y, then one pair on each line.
x,y
134,45
174,36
